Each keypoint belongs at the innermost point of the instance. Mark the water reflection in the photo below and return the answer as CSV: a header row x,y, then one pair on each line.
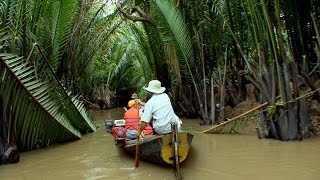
x,y
225,157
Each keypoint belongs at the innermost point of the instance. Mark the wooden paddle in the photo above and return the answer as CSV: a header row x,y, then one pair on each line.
x,y
137,141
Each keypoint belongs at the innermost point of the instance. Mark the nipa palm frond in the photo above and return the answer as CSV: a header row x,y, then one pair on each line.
x,y
146,59
32,109
63,16
176,26
35,110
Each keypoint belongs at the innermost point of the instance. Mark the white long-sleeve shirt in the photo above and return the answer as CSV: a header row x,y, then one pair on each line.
x,y
160,109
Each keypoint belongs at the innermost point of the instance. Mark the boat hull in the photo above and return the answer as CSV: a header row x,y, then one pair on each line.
x,y
158,149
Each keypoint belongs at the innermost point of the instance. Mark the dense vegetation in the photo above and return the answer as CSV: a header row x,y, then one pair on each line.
x,y
204,52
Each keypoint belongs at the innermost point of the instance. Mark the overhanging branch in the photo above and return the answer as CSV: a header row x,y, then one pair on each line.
x,y
144,17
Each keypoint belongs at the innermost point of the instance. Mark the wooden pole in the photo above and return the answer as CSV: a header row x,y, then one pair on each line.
x,y
236,118
175,148
137,157
213,103
239,116
259,132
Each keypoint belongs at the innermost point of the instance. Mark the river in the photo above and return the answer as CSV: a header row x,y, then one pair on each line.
x,y
218,157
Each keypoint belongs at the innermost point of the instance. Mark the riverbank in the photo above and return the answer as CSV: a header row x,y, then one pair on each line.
x,y
313,110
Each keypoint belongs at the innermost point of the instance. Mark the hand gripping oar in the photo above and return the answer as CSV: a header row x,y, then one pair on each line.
x,y
137,141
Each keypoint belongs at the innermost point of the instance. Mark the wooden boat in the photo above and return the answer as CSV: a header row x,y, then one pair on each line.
x,y
156,148
159,149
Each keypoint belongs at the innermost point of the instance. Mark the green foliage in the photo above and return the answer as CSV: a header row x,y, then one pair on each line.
x,y
174,31
36,110
36,106
95,52
145,59
63,14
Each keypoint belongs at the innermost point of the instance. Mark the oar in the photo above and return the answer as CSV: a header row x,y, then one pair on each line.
x,y
137,141
175,148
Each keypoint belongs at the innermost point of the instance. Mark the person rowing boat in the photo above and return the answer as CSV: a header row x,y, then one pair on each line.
x,y
158,110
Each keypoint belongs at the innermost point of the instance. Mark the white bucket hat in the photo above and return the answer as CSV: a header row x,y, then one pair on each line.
x,y
155,87
134,96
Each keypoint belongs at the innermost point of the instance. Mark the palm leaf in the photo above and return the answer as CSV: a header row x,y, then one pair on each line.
x,y
63,16
174,24
27,109
36,110
146,59
175,30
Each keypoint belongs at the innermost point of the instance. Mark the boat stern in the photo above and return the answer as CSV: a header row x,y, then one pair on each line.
x,y
185,140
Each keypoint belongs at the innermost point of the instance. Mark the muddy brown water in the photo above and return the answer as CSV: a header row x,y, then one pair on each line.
x,y
218,157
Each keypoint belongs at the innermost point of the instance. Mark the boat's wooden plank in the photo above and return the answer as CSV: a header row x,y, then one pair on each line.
x,y
146,139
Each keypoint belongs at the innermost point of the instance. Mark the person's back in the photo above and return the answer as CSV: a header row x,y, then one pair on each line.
x,y
160,109
131,113
132,118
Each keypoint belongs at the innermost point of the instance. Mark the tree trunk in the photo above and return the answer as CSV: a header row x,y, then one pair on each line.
x,y
213,104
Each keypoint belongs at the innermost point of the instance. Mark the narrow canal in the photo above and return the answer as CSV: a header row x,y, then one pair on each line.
x,y
218,157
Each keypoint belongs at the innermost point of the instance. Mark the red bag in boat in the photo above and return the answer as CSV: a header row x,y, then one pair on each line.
x,y
119,132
